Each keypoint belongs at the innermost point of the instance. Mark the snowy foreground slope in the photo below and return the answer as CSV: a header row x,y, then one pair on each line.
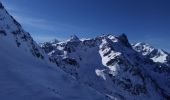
x,y
27,74
111,66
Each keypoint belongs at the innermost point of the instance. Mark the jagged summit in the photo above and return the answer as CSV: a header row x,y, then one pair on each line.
x,y
143,48
157,55
73,38
54,41
123,38
1,6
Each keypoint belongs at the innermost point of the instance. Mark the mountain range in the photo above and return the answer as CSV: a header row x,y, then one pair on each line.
x,y
107,67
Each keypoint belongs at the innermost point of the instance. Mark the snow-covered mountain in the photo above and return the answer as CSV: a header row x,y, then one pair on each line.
x,y
111,66
26,72
161,58
104,68
157,55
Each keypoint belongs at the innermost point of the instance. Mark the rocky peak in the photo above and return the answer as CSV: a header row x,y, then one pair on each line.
x,y
55,41
157,55
123,38
1,6
142,47
74,38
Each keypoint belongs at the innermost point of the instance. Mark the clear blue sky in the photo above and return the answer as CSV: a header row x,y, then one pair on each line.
x,y
141,20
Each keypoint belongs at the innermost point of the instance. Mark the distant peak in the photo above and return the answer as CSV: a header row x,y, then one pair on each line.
x,y
143,45
54,41
74,38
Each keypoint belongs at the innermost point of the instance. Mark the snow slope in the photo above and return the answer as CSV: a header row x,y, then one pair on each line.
x,y
27,74
109,65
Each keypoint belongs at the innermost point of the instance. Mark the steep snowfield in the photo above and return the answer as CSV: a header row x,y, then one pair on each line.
x,y
109,65
24,77
27,74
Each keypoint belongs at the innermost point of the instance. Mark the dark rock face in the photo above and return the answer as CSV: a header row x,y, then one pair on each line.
x,y
70,61
2,32
36,52
47,47
1,6
123,38
18,43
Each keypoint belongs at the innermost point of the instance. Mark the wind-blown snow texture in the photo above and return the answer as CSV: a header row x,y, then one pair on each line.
x,y
111,66
27,74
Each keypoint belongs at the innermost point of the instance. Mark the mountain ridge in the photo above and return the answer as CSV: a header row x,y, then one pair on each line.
x,y
112,52
107,67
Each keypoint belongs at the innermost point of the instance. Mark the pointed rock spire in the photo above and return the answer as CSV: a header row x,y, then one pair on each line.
x,y
123,38
54,41
74,38
1,6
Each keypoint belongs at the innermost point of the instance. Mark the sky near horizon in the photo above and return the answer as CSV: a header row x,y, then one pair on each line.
x,y
141,20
